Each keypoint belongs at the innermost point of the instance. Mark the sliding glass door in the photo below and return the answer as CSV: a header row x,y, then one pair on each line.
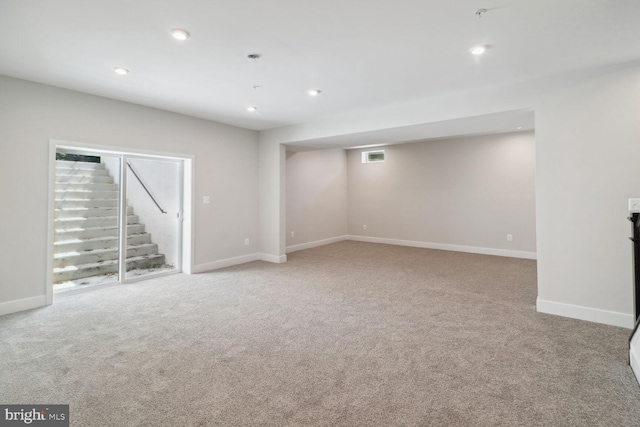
x,y
117,217
86,219
154,215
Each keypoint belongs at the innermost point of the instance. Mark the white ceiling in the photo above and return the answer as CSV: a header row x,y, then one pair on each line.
x,y
361,53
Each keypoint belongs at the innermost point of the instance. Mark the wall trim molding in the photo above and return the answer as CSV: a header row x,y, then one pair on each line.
x,y
316,243
215,265
277,259
589,314
23,304
445,247
229,262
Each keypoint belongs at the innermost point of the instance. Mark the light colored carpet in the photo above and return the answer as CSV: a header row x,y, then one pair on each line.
x,y
350,334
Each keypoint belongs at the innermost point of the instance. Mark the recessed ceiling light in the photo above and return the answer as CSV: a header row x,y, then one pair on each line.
x,y
519,127
314,92
252,109
120,70
478,50
180,34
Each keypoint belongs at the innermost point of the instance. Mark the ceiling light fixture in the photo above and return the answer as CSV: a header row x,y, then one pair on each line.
x,y
480,12
180,34
519,127
252,109
478,50
254,56
120,70
314,92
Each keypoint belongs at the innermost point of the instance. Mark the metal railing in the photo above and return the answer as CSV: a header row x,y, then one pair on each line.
x,y
145,188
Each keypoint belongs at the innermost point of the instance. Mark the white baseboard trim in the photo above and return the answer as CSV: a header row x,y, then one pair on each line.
x,y
229,262
634,357
316,243
445,247
585,313
276,259
214,265
22,304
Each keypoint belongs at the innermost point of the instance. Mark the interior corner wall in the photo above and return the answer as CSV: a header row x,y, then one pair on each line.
x,y
316,198
272,200
588,151
226,169
463,194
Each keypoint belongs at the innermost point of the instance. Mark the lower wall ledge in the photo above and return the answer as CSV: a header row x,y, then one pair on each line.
x,y
589,314
22,304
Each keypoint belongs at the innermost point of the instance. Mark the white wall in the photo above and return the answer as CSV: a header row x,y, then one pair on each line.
x,y
226,169
316,197
468,193
272,200
588,165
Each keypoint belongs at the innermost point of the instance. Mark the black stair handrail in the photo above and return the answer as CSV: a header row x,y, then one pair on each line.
x,y
145,188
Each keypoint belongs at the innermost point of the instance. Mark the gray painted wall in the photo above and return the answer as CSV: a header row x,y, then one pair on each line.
x,y
316,195
468,192
226,169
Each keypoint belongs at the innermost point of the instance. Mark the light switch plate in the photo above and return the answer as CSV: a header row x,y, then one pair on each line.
x,y
634,205
206,200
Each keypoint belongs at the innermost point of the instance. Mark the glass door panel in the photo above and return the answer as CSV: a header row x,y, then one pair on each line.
x,y
153,209
86,219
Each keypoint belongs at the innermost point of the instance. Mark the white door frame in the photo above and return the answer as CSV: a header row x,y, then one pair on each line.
x,y
188,169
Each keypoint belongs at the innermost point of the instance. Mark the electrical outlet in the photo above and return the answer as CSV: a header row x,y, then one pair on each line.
x,y
293,234
246,242
634,205
364,226
509,237
206,200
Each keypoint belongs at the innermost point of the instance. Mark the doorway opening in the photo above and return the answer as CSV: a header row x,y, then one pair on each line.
x,y
117,217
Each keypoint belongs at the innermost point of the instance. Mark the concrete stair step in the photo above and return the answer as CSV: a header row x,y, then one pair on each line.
x,y
75,258
111,266
98,221
83,179
81,172
86,203
88,212
64,164
70,186
62,194
106,242
90,233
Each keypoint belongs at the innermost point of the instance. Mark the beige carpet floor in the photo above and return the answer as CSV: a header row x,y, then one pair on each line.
x,y
349,334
